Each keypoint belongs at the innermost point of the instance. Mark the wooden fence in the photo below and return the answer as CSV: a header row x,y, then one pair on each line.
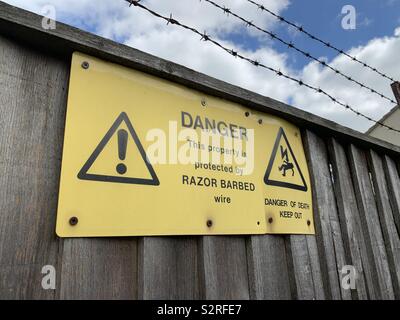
x,y
355,181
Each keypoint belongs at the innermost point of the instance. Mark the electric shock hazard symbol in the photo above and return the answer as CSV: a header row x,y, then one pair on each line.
x,y
283,169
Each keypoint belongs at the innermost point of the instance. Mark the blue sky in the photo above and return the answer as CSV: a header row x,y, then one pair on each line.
x,y
376,40
375,18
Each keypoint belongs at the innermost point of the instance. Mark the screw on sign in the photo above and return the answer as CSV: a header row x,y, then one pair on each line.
x,y
85,65
73,221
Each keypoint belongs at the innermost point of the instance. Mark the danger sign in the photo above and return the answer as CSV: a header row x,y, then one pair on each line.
x,y
145,156
283,169
136,158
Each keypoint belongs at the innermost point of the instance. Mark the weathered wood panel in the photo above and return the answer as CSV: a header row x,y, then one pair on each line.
x,y
371,224
303,253
326,220
223,268
268,268
350,222
98,269
32,105
390,233
393,180
168,268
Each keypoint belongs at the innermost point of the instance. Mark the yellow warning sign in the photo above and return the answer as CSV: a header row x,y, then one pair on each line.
x,y
145,156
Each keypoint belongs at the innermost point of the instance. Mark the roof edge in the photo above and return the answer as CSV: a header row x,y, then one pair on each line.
x,y
387,115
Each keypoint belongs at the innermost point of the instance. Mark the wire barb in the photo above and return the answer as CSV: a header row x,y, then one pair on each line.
x,y
205,37
133,2
227,10
256,63
171,20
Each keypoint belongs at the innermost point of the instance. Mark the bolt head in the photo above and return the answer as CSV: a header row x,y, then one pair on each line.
x,y
209,223
85,65
73,221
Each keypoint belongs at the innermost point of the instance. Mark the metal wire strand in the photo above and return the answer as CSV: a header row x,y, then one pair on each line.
x,y
205,37
304,53
325,43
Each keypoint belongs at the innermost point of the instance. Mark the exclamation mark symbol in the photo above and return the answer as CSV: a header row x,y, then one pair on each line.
x,y
122,144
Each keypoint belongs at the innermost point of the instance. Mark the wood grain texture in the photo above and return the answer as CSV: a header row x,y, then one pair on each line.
x,y
268,268
393,180
99,269
304,261
326,220
63,40
223,268
390,232
350,222
168,268
371,224
32,105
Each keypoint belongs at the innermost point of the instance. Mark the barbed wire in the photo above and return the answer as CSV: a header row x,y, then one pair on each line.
x,y
325,43
205,37
304,53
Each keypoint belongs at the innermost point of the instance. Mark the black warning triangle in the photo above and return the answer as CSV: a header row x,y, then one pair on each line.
x,y
285,165
84,175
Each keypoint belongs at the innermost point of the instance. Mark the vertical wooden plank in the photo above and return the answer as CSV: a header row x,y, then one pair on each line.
x,y
370,222
393,180
349,217
168,268
99,269
326,220
304,264
390,233
268,269
32,110
223,268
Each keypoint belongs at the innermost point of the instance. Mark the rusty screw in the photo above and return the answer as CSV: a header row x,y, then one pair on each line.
x,y
308,222
203,102
260,121
209,223
73,221
247,113
270,220
85,65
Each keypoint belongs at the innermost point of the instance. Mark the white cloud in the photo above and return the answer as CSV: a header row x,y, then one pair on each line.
x,y
114,19
380,53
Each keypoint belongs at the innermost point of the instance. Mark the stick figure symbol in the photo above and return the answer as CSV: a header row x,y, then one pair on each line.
x,y
286,165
